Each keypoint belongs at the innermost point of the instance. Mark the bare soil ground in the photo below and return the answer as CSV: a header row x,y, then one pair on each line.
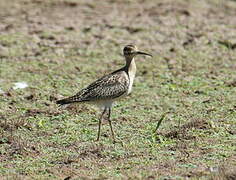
x,y
59,46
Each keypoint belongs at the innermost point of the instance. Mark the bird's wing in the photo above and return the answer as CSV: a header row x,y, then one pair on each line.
x,y
108,87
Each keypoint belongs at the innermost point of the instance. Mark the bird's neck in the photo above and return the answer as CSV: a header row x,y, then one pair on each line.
x,y
130,67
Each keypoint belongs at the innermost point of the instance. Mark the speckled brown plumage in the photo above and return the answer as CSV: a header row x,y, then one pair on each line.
x,y
108,87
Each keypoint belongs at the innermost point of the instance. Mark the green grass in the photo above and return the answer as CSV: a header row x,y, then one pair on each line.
x,y
193,86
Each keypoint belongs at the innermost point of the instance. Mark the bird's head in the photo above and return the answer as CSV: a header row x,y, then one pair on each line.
x,y
131,51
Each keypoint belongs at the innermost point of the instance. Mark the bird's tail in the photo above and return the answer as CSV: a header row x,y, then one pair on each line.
x,y
68,100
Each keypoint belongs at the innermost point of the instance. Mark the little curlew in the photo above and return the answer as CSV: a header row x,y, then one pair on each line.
x,y
109,88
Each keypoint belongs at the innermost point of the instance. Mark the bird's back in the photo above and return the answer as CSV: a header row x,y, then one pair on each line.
x,y
106,88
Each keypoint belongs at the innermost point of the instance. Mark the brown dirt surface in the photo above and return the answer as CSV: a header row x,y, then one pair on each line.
x,y
58,46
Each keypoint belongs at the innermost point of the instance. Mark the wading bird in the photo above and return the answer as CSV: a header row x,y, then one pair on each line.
x,y
109,88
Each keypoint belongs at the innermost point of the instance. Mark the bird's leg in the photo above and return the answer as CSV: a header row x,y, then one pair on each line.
x,y
109,120
100,121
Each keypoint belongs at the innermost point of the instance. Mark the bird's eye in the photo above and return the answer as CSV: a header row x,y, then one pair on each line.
x,y
127,52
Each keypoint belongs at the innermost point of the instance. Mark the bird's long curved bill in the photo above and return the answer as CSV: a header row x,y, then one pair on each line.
x,y
143,53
